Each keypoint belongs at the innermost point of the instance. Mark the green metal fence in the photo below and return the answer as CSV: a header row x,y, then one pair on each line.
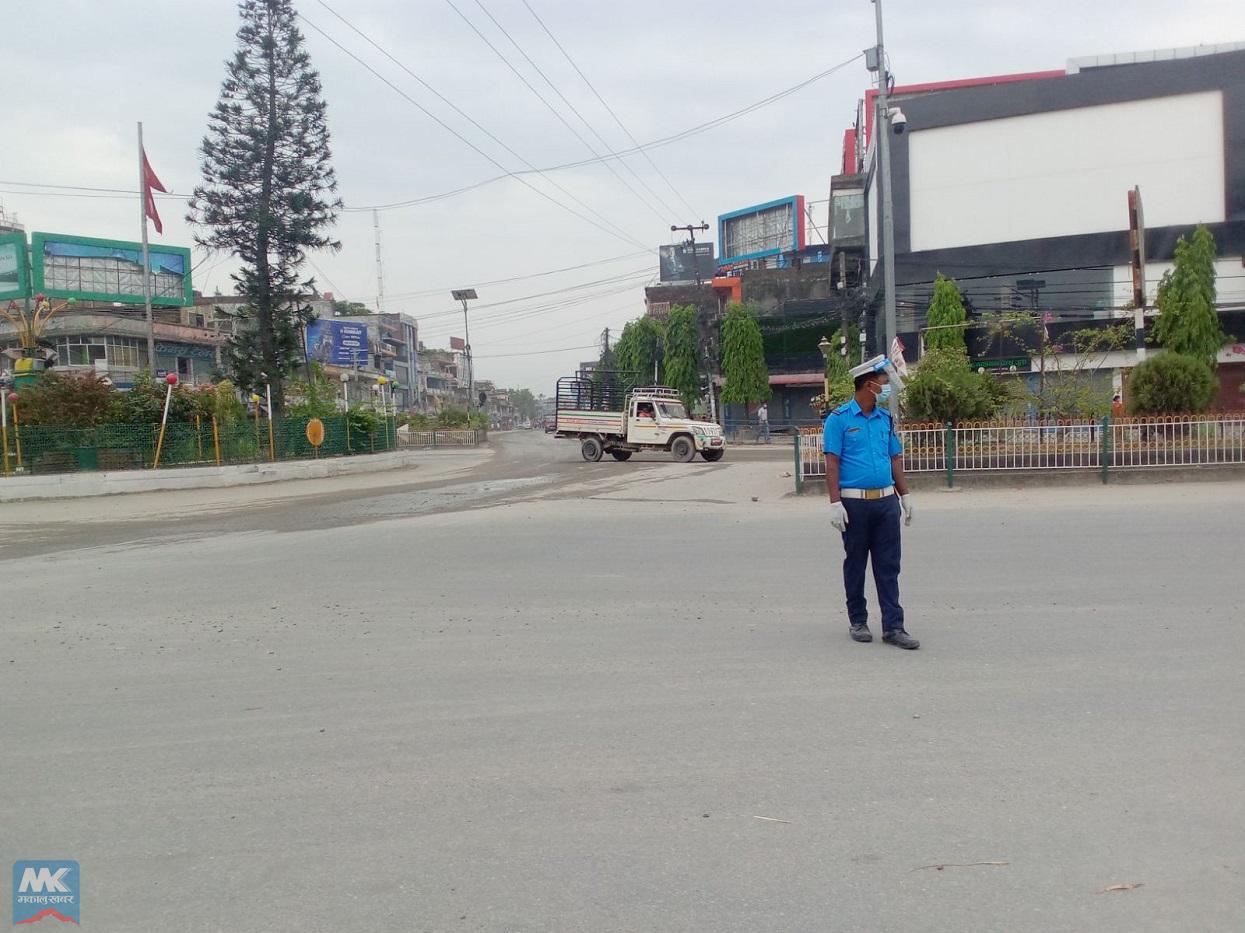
x,y
38,449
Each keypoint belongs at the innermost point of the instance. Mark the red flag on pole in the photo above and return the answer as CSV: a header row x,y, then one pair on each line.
x,y
150,181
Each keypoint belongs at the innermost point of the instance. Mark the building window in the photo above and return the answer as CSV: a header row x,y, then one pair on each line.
x,y
849,215
129,352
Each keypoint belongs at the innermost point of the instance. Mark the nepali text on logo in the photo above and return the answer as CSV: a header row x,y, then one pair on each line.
x,y
46,888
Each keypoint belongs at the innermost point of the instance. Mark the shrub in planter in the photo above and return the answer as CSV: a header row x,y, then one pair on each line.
x,y
1171,383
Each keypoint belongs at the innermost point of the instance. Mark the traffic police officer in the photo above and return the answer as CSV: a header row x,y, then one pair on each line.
x,y
868,493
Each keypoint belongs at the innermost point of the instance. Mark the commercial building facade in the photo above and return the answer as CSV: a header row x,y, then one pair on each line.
x,y
1017,186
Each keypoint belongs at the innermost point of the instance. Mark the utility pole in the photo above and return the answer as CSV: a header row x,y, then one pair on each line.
x,y
380,266
1137,245
882,127
1034,288
691,232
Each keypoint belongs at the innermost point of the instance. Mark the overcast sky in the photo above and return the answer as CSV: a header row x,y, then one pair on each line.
x,y
83,72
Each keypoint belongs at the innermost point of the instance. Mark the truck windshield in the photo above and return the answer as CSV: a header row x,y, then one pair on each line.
x,y
672,409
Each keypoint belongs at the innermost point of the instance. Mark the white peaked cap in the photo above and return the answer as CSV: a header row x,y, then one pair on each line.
x,y
875,365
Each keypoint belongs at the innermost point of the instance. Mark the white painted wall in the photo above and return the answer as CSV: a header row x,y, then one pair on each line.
x,y
1067,172
1229,282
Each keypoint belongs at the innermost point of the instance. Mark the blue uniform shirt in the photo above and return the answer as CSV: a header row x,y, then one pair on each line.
x,y
864,445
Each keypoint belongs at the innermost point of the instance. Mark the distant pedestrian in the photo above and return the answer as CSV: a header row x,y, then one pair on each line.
x,y
868,495
763,423
1117,407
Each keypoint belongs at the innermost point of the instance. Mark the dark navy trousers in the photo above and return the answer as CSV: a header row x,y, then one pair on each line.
x,y
873,532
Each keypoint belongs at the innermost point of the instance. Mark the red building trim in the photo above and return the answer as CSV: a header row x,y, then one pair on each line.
x,y
931,87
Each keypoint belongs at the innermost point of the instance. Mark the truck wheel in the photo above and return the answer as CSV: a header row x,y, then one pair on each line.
x,y
591,449
620,455
683,449
713,456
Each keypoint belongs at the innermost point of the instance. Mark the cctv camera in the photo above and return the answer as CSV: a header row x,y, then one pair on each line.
x,y
899,122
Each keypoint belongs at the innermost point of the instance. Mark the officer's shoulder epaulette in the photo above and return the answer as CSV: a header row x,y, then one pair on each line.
x,y
842,409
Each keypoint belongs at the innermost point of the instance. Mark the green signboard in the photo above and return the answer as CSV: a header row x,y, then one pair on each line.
x,y
13,283
187,350
1005,364
108,270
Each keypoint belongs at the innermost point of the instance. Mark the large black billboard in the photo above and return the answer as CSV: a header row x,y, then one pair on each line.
x,y
679,264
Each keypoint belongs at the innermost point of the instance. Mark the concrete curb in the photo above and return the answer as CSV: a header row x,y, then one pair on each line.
x,y
114,482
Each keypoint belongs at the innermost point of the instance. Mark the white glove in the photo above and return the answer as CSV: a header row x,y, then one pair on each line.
x,y
907,509
838,517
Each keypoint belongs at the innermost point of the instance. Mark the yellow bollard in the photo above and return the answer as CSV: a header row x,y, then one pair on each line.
x,y
216,439
255,402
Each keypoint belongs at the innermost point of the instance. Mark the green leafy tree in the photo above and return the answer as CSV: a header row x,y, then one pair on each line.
x,y
682,357
638,352
144,402
1070,383
945,317
837,368
525,404
268,194
1171,384
316,397
746,378
221,402
837,364
945,388
1188,321
64,399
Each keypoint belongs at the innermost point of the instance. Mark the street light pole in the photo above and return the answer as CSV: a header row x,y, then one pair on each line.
x,y
464,295
882,126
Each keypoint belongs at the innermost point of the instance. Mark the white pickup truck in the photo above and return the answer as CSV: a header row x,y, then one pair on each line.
x,y
609,420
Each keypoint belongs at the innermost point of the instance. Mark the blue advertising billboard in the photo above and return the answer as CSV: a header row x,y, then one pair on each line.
x,y
337,343
91,269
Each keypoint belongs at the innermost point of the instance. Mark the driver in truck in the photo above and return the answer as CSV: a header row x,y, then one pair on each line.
x,y
645,410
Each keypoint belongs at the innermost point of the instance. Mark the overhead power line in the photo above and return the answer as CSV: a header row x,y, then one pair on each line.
x,y
519,278
427,199
514,315
498,356
610,110
449,103
582,119
608,226
539,96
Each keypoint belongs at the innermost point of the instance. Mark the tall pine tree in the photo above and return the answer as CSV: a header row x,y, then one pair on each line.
x,y
746,378
1188,320
682,356
268,194
945,317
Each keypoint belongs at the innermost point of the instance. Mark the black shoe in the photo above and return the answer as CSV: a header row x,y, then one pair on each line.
x,y
901,639
861,633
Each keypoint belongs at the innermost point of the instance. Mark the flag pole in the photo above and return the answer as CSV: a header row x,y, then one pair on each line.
x,y
146,271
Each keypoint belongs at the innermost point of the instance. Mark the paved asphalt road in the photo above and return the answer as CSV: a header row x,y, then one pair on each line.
x,y
528,693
